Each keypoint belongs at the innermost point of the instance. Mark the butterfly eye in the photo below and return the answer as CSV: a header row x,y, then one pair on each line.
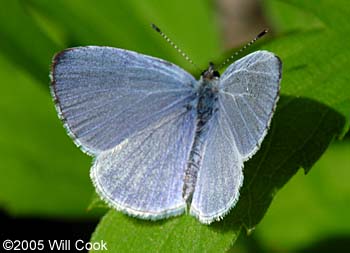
x,y
216,73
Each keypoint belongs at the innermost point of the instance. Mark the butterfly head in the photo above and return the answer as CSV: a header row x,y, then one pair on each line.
x,y
211,73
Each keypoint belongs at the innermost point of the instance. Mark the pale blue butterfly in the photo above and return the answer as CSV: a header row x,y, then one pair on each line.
x,y
163,141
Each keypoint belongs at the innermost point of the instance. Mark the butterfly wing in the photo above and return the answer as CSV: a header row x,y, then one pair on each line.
x,y
143,176
104,95
220,175
248,93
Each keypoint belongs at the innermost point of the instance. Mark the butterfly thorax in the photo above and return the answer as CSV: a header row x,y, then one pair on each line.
x,y
206,108
210,74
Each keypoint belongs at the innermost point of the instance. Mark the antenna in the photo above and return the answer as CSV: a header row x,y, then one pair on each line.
x,y
261,34
156,28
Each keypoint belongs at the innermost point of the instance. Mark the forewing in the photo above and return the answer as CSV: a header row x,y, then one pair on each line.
x,y
249,90
143,176
220,176
104,95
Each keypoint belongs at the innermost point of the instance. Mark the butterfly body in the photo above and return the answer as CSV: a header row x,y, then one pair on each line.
x,y
161,140
205,108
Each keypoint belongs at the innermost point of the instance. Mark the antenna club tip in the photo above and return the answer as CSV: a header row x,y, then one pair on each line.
x,y
262,33
155,27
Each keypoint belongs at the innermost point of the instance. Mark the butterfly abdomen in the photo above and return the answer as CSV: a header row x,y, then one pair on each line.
x,y
205,109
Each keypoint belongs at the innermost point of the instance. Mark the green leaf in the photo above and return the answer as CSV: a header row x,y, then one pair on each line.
x,y
315,61
309,210
183,234
301,131
97,203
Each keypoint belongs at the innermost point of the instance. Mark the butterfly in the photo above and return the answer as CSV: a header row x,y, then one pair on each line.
x,y
162,141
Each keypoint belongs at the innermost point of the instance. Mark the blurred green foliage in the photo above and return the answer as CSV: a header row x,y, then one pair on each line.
x,y
44,174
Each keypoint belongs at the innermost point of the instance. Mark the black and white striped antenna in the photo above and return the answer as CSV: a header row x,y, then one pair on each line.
x,y
229,59
187,58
